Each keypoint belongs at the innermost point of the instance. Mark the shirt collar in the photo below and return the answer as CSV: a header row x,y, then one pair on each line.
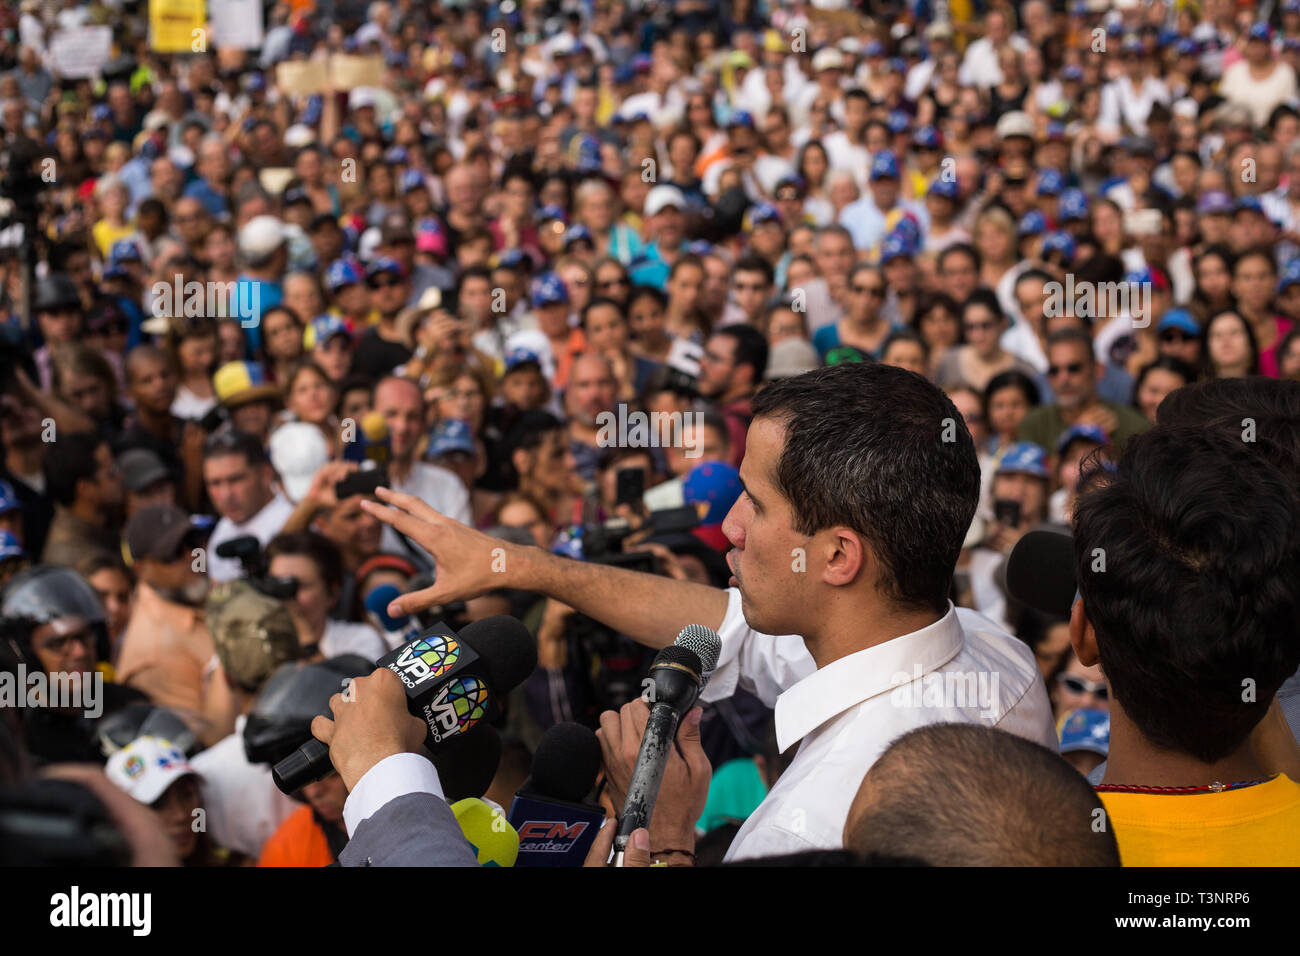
x,y
844,683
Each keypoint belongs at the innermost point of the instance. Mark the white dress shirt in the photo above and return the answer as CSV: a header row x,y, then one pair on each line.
x,y
394,776
264,525
845,714
440,490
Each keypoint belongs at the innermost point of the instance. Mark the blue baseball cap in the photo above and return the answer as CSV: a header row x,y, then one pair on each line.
x,y
322,329
8,498
1050,183
115,269
760,213
510,258
909,229
521,356
341,273
1132,44
1071,72
1260,31
449,436
382,265
1179,319
547,213
945,189
699,247
1080,433
549,289
396,156
895,246
874,48
101,112
1072,205
1024,458
898,65
1032,223
9,547
898,121
1086,730
884,165
742,118
1290,275
125,250
1187,47
1061,242
577,233
927,137
1216,202
1249,204
716,484
411,181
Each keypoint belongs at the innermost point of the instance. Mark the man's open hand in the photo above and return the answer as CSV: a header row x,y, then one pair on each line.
x,y
467,561
370,722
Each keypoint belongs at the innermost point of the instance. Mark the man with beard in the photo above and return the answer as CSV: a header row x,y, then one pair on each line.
x,y
167,651
238,477
82,481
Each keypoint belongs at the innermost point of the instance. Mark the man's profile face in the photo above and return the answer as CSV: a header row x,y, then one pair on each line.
x,y
403,409
763,538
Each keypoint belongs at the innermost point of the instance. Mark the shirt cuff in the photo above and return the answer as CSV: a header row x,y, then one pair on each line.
x,y
392,777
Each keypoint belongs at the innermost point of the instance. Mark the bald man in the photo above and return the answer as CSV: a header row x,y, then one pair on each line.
x,y
592,392
969,795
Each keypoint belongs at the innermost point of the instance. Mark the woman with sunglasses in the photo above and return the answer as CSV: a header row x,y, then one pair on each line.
x,y
613,282
1076,687
982,357
864,327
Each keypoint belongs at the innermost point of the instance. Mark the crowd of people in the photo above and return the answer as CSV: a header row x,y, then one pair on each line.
x,y
572,270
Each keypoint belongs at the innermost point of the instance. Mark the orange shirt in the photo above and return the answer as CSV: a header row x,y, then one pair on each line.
x,y
298,842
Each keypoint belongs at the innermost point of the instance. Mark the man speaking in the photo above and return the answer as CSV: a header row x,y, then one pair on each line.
x,y
860,482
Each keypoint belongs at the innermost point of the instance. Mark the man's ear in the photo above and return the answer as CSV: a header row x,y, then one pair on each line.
x,y
1082,636
520,459
845,555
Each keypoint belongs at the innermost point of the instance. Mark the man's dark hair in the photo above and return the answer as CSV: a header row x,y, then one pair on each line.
x,y
884,452
968,795
227,441
599,302
647,292
1076,335
754,263
68,461
1200,587
319,549
959,249
473,272
751,347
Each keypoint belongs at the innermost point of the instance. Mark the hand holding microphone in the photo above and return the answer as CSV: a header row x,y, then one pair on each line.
x,y
373,723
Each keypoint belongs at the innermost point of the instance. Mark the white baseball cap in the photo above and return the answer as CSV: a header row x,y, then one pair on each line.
x,y
661,197
299,135
146,767
298,451
827,58
261,236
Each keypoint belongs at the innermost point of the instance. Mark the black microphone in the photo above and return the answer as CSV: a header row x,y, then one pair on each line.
x,y
556,825
467,762
453,682
678,674
1040,572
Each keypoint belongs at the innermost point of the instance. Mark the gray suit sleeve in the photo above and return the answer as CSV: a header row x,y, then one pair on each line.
x,y
415,829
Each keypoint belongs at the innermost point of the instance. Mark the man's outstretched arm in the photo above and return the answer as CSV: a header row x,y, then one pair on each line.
x,y
648,608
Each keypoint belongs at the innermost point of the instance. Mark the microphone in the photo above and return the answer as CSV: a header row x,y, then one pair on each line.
x,y
1040,572
453,681
467,762
556,825
396,630
369,447
493,839
678,676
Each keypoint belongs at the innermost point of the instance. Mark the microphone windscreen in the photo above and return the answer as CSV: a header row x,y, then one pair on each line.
x,y
375,427
1040,572
377,602
508,651
495,841
566,763
467,762
706,644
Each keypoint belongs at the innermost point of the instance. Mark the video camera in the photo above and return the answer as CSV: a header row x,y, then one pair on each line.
x,y
247,550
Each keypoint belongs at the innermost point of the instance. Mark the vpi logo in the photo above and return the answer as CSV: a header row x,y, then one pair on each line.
x,y
426,658
460,706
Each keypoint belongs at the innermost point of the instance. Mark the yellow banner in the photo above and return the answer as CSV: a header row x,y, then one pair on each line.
x,y
172,26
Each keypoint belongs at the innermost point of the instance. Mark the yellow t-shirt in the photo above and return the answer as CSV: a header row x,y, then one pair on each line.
x,y
1253,826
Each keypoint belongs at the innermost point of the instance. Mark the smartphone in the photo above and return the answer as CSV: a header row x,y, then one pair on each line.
x,y
361,483
1007,513
214,419
631,486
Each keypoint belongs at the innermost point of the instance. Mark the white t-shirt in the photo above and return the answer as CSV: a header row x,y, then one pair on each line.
x,y
1261,97
440,490
189,406
244,806
264,525
346,637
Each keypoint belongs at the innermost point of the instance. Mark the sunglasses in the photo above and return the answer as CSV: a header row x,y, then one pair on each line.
x,y
1078,685
383,283
871,290
1174,336
612,283
1074,368
58,644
